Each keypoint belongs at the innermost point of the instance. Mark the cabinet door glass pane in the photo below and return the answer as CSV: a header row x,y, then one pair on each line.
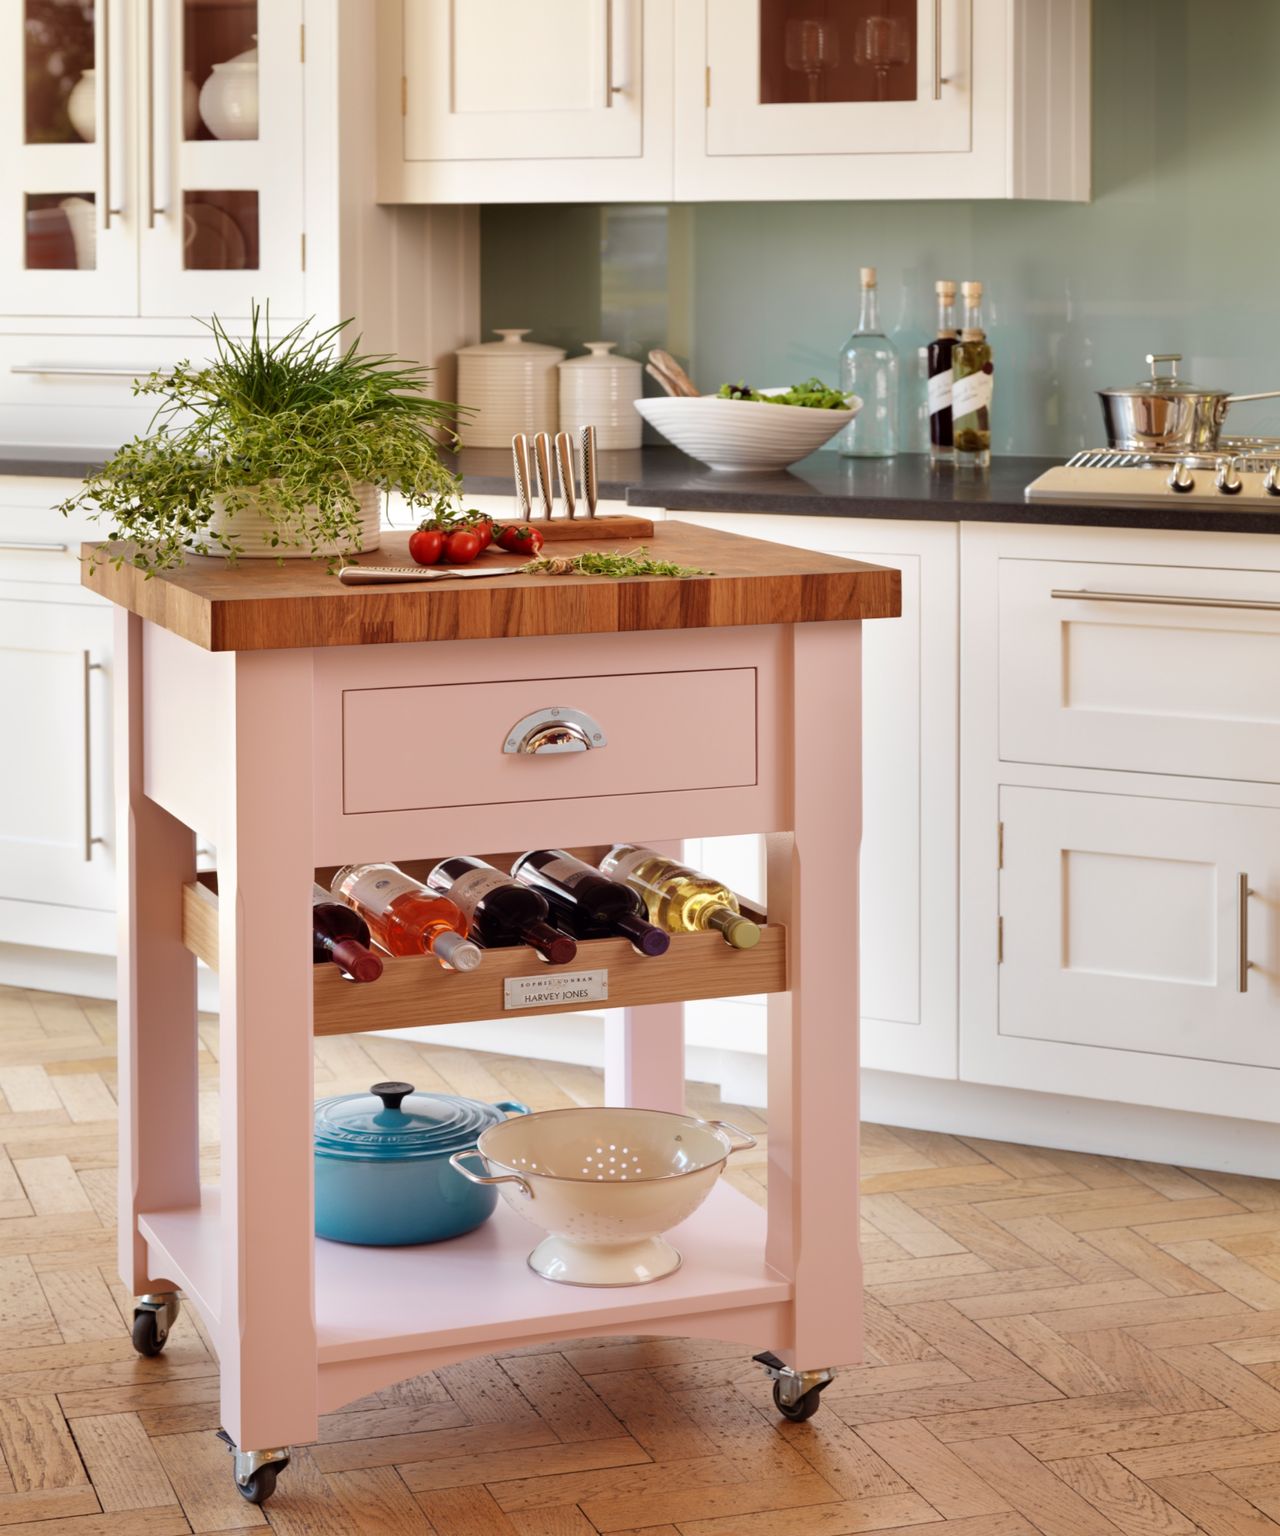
x,y
837,50
58,72
220,69
62,232
220,231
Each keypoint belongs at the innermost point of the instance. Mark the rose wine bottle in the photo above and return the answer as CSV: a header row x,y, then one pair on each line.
x,y
405,917
502,912
678,898
587,903
340,934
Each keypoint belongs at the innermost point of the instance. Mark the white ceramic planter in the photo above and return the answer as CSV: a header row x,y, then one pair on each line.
x,y
604,1184
601,391
508,386
251,529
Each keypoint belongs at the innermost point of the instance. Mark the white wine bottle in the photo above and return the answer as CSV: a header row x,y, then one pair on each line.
x,y
678,898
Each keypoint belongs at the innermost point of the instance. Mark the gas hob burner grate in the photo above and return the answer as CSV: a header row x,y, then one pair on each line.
x,y
1254,455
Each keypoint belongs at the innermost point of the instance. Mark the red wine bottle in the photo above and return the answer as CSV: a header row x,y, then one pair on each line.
x,y
503,912
587,903
340,934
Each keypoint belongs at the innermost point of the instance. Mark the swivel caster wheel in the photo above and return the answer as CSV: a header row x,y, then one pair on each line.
x,y
255,1472
153,1317
796,1394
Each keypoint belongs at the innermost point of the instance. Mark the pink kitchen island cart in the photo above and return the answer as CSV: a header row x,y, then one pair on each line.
x,y
297,724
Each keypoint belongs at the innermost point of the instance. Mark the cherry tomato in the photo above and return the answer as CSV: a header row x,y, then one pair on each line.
x,y
482,527
462,546
425,545
520,539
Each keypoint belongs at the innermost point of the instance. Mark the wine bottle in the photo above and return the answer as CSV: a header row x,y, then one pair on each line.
x,y
869,369
587,903
941,446
340,934
406,918
680,899
502,912
973,380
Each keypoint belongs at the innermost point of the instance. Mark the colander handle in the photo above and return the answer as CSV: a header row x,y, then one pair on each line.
x,y
487,1178
747,1141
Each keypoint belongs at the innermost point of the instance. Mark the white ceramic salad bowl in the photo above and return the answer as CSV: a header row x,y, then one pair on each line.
x,y
604,1184
744,434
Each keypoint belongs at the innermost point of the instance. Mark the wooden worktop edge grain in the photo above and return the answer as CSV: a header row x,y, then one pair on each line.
x,y
261,606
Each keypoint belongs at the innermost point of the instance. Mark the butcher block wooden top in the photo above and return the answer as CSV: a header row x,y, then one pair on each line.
x,y
258,605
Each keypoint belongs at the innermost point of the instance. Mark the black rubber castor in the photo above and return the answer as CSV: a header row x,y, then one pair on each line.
x,y
146,1333
799,1411
262,1483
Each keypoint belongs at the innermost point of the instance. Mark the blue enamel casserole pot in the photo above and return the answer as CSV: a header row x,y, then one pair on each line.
x,y
382,1165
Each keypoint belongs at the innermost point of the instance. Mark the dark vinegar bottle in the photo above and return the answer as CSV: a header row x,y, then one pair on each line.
x,y
587,903
503,912
941,445
341,935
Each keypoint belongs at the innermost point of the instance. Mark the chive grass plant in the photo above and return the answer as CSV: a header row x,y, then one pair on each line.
x,y
290,425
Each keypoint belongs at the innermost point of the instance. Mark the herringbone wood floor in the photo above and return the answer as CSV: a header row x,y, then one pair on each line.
x,y
1069,1345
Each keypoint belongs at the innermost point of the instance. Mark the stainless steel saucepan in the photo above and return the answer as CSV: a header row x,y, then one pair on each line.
x,y
1165,413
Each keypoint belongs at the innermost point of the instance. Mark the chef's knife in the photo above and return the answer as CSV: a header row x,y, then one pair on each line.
x,y
546,485
524,481
590,471
564,464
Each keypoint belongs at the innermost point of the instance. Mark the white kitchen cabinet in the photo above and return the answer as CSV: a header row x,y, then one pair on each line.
x,y
909,833
500,101
776,99
1120,817
122,199
1133,923
57,876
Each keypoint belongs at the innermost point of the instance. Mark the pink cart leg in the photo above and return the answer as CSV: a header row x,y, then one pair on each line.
x,y
155,856
266,1333
644,1057
813,1030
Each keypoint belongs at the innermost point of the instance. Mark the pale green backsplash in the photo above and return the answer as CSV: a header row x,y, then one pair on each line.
x,y
1178,251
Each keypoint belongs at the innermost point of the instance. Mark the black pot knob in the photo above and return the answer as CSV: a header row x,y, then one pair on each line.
x,y
392,1094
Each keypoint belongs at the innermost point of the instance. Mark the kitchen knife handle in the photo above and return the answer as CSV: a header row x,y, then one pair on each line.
x,y
542,458
524,484
564,465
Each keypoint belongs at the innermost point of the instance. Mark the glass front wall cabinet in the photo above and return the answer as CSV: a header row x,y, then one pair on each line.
x,y
143,171
819,77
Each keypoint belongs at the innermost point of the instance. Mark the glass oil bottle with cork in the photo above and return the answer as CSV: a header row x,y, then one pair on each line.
x,y
973,380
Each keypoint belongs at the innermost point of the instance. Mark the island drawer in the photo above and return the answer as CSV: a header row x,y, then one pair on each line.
x,y
439,745
1146,668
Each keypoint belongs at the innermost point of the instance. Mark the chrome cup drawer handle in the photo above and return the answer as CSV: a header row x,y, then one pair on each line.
x,y
554,730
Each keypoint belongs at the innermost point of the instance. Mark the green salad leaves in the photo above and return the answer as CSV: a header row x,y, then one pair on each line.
x,y
813,393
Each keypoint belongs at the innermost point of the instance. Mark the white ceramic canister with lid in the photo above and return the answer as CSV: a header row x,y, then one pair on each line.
x,y
601,391
508,386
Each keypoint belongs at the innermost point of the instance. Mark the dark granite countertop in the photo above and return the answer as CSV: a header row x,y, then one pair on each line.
x,y
827,485
823,485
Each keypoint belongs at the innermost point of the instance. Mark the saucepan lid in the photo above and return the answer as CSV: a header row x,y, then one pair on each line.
x,y
393,1122
1164,380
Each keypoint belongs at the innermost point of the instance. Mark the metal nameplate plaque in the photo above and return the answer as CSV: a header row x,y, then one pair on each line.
x,y
560,989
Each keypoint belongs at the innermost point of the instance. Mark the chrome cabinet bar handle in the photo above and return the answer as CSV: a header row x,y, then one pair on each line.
x,y
34,546
85,370
937,50
609,87
154,209
1243,963
89,840
1083,594
105,135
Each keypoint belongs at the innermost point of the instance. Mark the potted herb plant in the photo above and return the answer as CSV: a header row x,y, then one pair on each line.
x,y
278,447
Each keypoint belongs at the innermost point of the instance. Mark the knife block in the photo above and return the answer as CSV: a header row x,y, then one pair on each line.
x,y
612,525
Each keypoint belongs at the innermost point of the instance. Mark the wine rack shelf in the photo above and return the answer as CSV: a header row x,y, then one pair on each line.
x,y
418,990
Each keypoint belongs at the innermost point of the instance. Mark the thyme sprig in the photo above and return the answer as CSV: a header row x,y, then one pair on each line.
x,y
616,563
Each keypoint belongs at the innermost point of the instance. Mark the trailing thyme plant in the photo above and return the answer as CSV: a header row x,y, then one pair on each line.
x,y
291,425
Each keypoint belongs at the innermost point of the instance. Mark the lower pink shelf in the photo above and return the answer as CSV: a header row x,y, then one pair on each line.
x,y
385,1313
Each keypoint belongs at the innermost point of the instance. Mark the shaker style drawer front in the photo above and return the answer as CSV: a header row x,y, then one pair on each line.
x,y
426,748
1152,669
1138,924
